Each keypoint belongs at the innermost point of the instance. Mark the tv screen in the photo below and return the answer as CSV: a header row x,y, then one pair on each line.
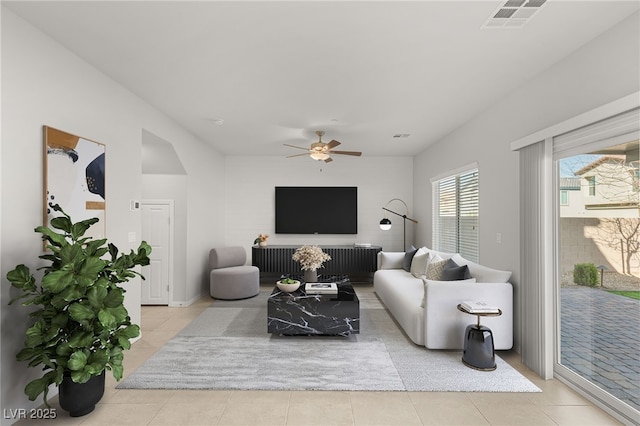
x,y
316,210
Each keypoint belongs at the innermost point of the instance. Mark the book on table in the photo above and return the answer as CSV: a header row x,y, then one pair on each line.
x,y
479,307
321,288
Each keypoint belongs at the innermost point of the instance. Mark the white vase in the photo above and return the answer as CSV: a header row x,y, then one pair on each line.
x,y
311,276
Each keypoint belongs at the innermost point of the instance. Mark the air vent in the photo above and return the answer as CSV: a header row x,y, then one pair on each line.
x,y
513,14
401,135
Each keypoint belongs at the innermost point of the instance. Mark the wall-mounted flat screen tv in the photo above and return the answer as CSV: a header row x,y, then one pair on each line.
x,y
316,210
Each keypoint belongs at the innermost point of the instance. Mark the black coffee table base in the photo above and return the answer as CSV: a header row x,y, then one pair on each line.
x,y
298,313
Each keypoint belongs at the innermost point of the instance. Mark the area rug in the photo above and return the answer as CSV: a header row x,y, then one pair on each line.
x,y
228,347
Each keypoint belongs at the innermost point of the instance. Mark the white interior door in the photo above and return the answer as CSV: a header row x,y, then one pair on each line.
x,y
156,231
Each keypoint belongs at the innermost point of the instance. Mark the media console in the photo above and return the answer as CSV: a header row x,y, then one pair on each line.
x,y
358,262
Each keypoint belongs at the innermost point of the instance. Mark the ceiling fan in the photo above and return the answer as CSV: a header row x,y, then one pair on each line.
x,y
321,151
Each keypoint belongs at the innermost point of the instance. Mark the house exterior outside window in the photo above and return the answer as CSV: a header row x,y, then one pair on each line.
x,y
591,181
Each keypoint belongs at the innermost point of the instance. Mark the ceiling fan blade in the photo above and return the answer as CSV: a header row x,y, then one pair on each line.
x,y
333,144
328,160
356,153
293,146
296,155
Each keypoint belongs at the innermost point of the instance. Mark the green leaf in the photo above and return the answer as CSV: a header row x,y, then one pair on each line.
x,y
118,370
114,298
56,281
51,236
35,334
27,353
119,312
94,248
131,331
61,222
78,229
107,319
21,278
82,376
63,350
89,269
73,292
60,320
113,250
97,361
81,312
124,342
37,386
77,361
71,253
96,296
81,339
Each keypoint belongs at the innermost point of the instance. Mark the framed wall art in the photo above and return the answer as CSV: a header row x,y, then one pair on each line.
x,y
74,178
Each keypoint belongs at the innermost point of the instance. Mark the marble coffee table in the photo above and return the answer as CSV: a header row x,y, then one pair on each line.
x,y
299,313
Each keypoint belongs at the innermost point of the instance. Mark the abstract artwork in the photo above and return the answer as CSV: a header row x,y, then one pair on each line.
x,y
74,178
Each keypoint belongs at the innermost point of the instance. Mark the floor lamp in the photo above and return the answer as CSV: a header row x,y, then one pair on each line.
x,y
385,223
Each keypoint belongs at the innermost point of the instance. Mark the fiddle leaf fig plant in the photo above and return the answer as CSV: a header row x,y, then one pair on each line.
x,y
80,325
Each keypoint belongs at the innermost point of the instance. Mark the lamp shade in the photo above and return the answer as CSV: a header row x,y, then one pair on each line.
x,y
385,224
319,156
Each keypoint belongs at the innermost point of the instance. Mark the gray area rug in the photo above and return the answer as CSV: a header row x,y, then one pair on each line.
x,y
228,347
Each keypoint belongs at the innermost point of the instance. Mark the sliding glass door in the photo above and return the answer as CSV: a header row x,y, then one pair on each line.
x,y
598,272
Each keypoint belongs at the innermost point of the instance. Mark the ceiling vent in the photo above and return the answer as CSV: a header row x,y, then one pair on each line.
x,y
401,135
513,14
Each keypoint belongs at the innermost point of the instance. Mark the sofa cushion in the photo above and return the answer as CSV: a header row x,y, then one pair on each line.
x,y
442,254
408,257
453,272
482,273
426,282
420,262
435,268
390,260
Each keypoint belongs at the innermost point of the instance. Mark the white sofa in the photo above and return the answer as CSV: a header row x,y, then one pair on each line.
x,y
439,324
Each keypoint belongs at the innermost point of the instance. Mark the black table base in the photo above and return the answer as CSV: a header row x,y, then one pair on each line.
x,y
478,348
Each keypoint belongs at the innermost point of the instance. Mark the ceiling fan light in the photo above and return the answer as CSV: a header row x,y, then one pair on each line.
x,y
319,156
385,224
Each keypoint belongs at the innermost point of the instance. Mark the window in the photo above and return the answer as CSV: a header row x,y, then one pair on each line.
x,y
564,197
455,214
591,181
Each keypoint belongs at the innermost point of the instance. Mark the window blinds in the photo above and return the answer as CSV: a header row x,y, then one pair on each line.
x,y
456,214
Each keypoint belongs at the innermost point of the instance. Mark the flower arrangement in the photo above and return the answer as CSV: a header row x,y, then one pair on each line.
x,y
262,238
310,257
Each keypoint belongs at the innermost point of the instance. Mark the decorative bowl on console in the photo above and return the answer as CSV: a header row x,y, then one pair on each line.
x,y
288,285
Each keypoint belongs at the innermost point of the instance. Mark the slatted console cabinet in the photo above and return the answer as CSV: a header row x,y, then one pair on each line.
x,y
358,262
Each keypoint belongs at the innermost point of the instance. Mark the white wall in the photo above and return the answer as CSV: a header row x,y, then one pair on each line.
x,y
44,84
250,183
603,70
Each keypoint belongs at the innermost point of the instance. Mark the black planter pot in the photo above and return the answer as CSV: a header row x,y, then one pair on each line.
x,y
80,399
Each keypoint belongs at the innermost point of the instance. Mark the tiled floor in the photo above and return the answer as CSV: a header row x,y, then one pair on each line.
x,y
556,405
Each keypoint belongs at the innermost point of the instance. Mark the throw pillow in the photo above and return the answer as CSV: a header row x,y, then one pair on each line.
x,y
419,263
408,257
435,268
427,282
453,272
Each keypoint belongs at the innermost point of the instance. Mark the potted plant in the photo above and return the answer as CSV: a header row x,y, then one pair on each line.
x,y
311,258
261,240
80,325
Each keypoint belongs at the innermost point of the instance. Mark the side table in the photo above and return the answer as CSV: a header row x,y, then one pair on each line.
x,y
478,350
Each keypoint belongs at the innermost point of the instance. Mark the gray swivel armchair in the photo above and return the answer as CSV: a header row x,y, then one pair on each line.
x,y
230,278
